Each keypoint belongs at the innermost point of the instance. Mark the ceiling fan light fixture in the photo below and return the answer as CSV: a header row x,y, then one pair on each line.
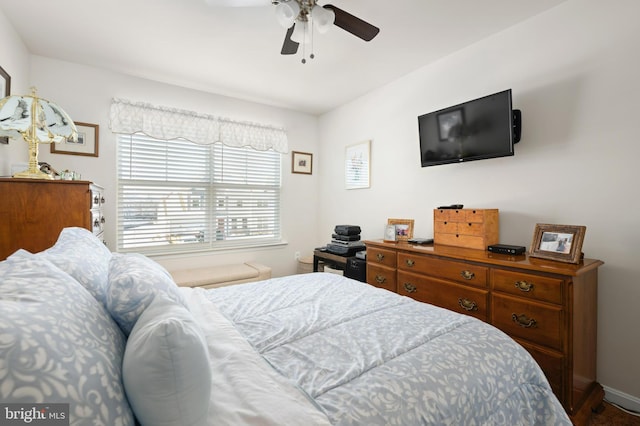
x,y
287,13
323,19
301,33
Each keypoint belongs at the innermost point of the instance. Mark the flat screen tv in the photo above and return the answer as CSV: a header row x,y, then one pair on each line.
x,y
482,128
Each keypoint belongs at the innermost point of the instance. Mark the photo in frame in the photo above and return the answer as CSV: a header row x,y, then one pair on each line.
x,y
301,162
403,228
87,143
562,243
5,90
357,162
390,234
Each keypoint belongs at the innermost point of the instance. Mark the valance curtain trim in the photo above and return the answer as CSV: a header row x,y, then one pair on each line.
x,y
127,117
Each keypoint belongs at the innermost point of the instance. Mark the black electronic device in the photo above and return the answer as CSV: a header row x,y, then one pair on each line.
x,y
420,241
452,206
356,269
346,237
483,128
344,250
506,249
347,230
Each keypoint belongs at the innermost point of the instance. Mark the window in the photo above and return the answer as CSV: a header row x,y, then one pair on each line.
x,y
180,196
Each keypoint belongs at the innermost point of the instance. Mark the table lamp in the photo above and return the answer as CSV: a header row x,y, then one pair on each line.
x,y
37,121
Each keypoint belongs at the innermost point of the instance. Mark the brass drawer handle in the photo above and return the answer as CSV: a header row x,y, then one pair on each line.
x,y
524,286
380,279
523,321
467,305
467,275
410,287
380,257
410,262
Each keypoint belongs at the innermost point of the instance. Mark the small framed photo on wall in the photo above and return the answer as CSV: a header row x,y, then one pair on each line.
x,y
301,162
5,90
87,143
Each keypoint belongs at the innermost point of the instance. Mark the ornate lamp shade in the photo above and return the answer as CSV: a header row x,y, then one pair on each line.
x,y
37,121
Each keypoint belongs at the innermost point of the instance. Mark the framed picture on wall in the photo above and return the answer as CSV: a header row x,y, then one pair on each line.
x,y
5,90
301,162
357,163
87,143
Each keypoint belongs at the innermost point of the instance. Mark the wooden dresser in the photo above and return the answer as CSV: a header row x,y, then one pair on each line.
x,y
549,307
33,212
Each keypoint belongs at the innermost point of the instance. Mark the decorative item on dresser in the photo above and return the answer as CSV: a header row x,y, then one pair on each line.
x,y
37,121
470,228
34,212
549,307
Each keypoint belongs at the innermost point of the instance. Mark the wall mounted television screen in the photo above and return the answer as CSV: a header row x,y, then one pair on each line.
x,y
475,130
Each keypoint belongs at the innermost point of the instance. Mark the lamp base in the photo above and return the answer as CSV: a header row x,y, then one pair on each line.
x,y
28,174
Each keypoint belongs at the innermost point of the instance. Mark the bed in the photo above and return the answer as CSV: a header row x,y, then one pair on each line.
x,y
310,349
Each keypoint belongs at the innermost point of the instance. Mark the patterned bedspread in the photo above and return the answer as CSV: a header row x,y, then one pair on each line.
x,y
371,357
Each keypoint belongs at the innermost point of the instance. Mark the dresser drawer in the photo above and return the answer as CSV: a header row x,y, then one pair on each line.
x,y
381,276
455,297
530,286
531,321
448,215
97,197
459,240
97,222
381,257
457,271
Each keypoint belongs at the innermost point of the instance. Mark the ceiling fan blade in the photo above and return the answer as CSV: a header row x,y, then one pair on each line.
x,y
353,24
289,47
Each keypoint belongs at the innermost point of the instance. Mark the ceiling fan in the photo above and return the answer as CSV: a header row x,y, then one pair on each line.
x,y
300,17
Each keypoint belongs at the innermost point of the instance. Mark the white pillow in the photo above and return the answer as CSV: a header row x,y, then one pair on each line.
x,y
166,370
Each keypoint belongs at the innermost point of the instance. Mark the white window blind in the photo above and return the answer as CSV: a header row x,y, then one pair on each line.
x,y
180,196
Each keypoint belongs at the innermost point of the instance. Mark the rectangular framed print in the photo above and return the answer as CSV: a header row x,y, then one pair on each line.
x,y
357,162
301,162
87,143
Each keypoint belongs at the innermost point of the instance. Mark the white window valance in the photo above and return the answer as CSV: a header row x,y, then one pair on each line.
x,y
169,123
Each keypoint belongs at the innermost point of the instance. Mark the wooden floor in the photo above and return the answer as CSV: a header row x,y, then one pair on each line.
x,y
613,416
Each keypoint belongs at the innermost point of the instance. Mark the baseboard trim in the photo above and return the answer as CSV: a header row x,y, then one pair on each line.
x,y
622,399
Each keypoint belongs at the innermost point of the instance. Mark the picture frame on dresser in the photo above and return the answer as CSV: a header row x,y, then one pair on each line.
x,y
87,143
562,243
5,90
403,228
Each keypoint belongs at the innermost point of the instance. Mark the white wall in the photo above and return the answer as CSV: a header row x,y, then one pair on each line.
x,y
85,93
574,74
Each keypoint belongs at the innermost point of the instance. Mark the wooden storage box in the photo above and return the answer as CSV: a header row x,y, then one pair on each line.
x,y
469,228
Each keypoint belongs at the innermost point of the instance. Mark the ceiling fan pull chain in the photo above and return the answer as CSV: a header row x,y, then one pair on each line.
x,y
312,55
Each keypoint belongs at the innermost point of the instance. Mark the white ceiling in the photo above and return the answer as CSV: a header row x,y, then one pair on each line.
x,y
235,51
